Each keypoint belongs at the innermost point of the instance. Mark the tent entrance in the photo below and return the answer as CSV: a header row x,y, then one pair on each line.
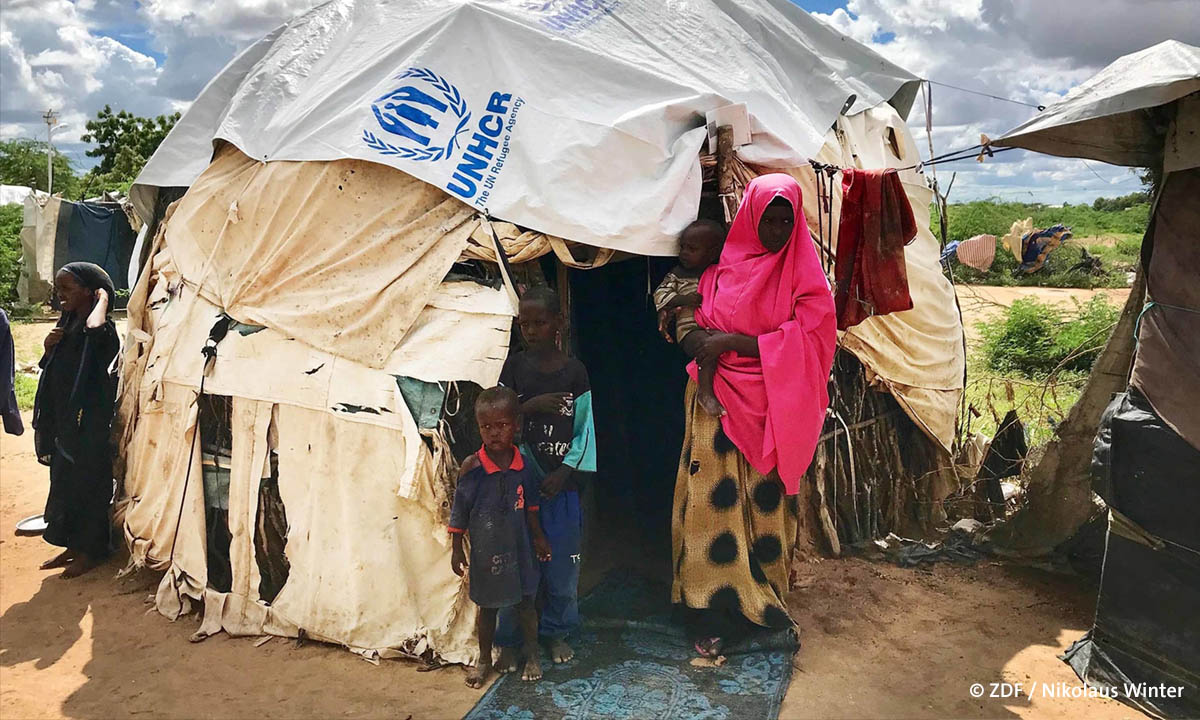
x,y
637,394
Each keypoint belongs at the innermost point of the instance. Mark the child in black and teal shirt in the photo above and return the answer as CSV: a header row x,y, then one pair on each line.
x,y
558,439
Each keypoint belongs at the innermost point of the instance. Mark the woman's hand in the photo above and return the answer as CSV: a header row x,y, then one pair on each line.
x,y
712,348
53,338
99,312
549,404
718,343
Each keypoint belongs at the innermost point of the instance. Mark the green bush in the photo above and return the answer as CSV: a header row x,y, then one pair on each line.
x,y
966,220
1034,339
10,251
26,390
1130,246
1055,273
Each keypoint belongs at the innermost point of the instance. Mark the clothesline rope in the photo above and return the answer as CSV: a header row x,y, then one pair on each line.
x,y
1039,108
970,153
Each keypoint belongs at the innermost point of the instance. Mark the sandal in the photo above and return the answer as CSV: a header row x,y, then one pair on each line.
x,y
709,647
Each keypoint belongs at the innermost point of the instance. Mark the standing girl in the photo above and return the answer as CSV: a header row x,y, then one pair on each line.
x,y
72,416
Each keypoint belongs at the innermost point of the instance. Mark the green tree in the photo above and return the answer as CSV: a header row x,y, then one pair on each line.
x,y
23,162
125,169
113,132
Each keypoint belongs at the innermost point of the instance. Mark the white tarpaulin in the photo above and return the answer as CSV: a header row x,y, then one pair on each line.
x,y
1106,118
546,114
14,194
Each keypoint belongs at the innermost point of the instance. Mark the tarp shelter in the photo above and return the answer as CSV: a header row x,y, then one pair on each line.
x,y
1144,110
14,194
55,232
339,173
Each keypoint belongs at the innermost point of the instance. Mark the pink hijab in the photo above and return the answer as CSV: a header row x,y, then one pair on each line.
x,y
775,404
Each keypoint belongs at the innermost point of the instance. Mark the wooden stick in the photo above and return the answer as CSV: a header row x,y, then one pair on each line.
x,y
726,183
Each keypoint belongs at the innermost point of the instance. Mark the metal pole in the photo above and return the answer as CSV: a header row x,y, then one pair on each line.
x,y
50,120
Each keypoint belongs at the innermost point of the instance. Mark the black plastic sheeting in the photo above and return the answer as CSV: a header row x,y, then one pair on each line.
x,y
95,233
1146,637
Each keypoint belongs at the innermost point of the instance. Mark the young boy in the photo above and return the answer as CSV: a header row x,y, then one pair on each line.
x,y
558,433
679,295
496,505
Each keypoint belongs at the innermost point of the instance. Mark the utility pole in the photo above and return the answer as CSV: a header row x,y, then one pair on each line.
x,y
50,119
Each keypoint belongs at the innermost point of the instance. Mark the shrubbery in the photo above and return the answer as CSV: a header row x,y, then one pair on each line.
x,y
966,220
10,251
1035,339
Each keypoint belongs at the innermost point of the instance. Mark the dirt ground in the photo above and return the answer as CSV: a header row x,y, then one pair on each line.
x,y
878,641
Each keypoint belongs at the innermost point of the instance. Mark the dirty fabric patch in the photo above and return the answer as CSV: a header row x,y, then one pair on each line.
x,y
631,661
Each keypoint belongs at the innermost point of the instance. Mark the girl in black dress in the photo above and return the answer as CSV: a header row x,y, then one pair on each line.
x,y
72,416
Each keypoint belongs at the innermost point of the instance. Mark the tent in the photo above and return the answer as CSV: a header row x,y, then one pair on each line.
x,y
55,232
1143,110
364,193
14,194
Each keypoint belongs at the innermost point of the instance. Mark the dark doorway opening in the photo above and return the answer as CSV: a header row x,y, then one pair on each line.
x,y
638,382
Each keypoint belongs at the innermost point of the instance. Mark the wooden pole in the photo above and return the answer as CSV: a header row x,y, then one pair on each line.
x,y
726,185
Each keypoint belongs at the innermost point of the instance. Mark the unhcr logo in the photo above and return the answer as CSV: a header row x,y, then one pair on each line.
x,y
425,119
568,16
427,112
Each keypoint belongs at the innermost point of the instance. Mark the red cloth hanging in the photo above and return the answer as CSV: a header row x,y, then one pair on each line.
x,y
877,222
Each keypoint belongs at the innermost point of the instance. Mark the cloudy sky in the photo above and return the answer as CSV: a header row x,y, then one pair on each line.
x,y
154,56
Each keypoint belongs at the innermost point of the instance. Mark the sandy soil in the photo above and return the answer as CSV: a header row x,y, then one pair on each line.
x,y
878,641
983,302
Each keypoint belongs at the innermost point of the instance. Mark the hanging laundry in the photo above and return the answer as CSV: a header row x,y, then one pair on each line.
x,y
948,252
877,222
1012,239
1037,246
979,252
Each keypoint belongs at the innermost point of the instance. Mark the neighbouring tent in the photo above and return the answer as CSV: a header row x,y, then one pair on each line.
x,y
55,232
352,182
14,194
1143,110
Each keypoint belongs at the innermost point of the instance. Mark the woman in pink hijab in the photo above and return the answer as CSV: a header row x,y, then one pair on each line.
x,y
772,332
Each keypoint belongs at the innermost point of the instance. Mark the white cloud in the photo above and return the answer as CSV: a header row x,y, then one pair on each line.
x,y
199,37
1031,51
77,57
50,59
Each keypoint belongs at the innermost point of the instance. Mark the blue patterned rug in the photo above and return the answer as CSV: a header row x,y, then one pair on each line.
x,y
632,663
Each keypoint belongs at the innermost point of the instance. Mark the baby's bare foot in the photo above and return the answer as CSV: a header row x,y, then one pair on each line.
x,y
560,651
508,661
478,675
710,403
533,670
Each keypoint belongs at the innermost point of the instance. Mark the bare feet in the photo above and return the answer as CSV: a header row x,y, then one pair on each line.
x,y
710,403
478,675
508,660
560,651
533,670
62,559
709,647
82,565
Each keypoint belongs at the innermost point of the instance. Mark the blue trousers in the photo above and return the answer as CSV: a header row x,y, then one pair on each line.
x,y
562,522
